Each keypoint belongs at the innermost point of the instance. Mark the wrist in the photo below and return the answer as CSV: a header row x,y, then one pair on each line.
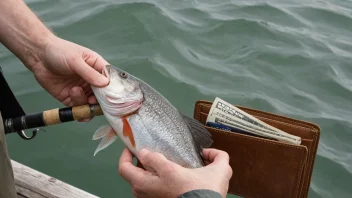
x,y
35,51
22,32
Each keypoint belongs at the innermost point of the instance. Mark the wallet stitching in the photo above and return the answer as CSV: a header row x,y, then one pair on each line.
x,y
315,132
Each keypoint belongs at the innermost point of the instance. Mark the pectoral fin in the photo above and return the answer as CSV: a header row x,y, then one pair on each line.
x,y
101,132
127,131
108,136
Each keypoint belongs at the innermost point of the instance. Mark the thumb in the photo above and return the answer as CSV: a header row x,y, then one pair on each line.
x,y
219,161
216,158
155,161
89,74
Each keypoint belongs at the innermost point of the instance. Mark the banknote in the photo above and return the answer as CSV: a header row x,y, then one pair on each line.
x,y
227,114
229,109
271,134
220,126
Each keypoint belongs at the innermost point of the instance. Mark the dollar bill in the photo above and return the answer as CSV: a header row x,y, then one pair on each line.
x,y
227,114
224,118
229,109
219,125
271,134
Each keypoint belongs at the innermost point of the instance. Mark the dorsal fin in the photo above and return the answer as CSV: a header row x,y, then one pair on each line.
x,y
201,135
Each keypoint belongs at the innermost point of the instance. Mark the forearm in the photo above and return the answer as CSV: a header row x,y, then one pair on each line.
x,y
22,32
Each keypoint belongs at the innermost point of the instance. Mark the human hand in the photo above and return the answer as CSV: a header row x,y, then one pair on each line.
x,y
66,71
168,179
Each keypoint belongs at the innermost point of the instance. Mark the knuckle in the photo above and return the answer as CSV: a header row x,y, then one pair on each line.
x,y
169,169
229,171
145,159
122,169
73,58
157,156
224,155
148,159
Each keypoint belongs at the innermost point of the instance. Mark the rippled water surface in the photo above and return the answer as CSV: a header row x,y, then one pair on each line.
x,y
287,57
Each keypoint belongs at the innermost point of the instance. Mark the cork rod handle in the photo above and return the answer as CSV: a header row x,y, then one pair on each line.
x,y
52,117
57,116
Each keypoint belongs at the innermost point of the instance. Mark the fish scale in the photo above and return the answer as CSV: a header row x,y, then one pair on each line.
x,y
149,121
156,110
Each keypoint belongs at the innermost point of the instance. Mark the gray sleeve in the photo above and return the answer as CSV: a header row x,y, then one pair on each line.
x,y
201,194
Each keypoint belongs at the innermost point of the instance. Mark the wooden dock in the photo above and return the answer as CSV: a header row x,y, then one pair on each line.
x,y
31,183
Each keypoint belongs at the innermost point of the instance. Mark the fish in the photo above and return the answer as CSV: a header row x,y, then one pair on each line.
x,y
144,119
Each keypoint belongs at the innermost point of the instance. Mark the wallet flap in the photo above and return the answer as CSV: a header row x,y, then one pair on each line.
x,y
262,167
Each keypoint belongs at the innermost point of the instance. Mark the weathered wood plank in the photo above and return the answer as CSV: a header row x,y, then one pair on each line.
x,y
32,183
27,193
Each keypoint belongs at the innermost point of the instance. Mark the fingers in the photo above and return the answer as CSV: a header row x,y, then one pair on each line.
x,y
66,101
78,97
89,74
155,161
127,170
92,100
219,160
126,156
216,156
96,61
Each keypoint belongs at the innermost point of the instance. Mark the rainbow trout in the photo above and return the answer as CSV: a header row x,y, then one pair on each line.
x,y
142,118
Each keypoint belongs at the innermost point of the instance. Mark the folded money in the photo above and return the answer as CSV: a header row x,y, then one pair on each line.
x,y
232,129
222,112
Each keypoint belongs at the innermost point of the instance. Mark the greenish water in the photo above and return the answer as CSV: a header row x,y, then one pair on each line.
x,y
287,57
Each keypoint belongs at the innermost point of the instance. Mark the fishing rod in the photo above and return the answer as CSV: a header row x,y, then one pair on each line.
x,y
49,117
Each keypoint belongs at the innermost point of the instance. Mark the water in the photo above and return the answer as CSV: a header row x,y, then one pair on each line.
x,y
287,57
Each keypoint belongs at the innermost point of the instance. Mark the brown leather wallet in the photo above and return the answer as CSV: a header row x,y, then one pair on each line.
x,y
263,167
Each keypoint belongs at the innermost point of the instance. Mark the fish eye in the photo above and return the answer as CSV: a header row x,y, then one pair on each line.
x,y
123,75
